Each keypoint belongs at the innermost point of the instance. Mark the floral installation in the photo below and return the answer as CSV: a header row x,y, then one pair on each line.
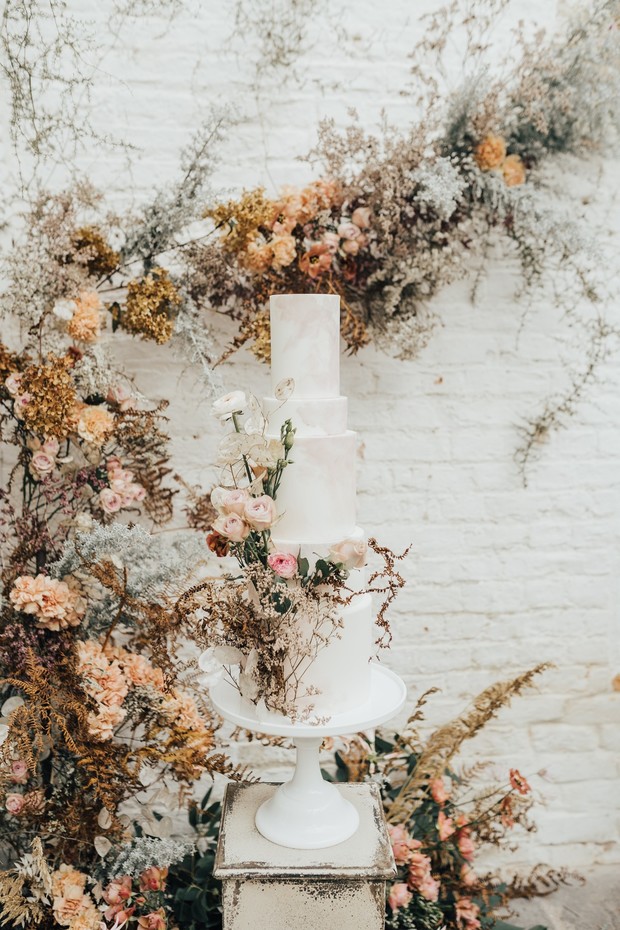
x,y
104,728
390,220
252,619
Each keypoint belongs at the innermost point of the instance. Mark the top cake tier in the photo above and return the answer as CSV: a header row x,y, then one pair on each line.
x,y
305,343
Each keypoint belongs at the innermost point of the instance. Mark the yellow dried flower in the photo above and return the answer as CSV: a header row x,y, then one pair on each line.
x,y
92,250
8,362
150,304
490,153
259,330
513,170
240,219
52,401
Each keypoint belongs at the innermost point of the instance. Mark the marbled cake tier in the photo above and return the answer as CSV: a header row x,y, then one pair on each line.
x,y
316,499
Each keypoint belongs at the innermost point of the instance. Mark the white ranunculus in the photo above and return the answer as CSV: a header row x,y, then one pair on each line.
x,y
64,309
225,406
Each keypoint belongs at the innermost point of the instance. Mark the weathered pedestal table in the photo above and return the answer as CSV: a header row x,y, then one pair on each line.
x,y
306,854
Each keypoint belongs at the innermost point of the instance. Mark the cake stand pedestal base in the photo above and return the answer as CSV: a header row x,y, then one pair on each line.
x,y
265,885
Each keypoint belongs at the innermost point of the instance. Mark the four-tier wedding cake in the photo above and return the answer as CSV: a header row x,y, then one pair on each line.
x,y
316,500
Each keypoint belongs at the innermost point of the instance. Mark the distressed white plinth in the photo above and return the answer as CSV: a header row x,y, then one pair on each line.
x,y
268,886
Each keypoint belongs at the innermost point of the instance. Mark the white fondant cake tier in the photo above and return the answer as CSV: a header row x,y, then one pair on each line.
x,y
305,343
316,497
311,416
340,673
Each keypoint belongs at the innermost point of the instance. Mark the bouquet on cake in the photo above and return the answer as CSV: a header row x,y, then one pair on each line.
x,y
297,618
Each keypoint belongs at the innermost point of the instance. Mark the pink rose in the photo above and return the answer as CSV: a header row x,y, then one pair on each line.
x,y
439,792
230,500
468,876
19,772
21,402
467,914
348,231
121,395
429,888
14,803
153,878
231,526
399,896
260,512
402,843
156,920
445,827
110,500
283,564
361,217
350,553
42,463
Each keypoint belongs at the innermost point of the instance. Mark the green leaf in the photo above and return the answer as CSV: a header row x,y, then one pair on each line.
x,y
302,566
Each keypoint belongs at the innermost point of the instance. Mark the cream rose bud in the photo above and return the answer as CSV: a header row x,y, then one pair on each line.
x,y
231,526
225,406
13,383
350,552
230,500
260,512
361,217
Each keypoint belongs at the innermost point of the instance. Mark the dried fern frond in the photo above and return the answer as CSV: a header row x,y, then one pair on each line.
x,y
445,742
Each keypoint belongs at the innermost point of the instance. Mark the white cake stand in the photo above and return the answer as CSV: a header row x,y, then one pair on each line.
x,y
308,812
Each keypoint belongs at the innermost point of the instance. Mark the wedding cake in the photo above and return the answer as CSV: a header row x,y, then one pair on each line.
x,y
316,499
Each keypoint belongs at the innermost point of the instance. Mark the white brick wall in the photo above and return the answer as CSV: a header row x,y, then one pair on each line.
x,y
500,577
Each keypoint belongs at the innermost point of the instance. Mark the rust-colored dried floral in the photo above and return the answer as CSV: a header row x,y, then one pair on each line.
x,y
490,153
240,219
149,310
92,250
8,362
52,402
259,331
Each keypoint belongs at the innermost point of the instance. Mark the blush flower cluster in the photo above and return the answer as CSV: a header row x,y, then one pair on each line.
x,y
123,490
56,605
419,880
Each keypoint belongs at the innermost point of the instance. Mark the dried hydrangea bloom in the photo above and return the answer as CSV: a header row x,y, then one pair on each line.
x,y
490,153
54,603
151,301
52,400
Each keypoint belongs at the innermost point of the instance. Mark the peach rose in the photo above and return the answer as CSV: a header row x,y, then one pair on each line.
x,y
230,500
110,501
420,877
153,878
445,826
439,792
284,251
351,246
513,171
350,553
54,603
94,424
14,804
232,527
260,512
348,231
316,260
283,564
402,842
399,896
118,891
490,153
156,920
466,845
361,217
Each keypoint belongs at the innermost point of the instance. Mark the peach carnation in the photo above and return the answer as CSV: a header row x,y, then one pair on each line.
x,y
513,171
284,251
141,673
181,710
85,324
103,722
445,826
490,153
69,898
439,792
54,603
258,256
94,424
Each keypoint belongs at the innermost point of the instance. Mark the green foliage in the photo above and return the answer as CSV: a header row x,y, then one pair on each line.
x,y
195,894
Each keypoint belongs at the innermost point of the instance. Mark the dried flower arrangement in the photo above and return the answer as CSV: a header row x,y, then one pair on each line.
x,y
274,617
441,816
104,729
